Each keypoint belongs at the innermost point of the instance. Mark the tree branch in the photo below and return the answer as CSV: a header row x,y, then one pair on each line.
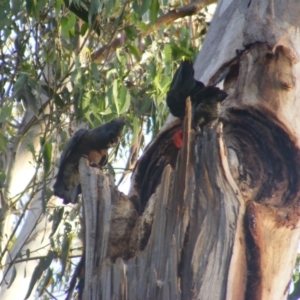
x,y
132,157
184,11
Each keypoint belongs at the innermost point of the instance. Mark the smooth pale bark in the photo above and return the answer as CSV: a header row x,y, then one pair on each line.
x,y
224,222
34,229
20,169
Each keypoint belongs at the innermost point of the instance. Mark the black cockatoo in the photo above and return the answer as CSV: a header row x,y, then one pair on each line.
x,y
206,106
182,86
91,143
205,100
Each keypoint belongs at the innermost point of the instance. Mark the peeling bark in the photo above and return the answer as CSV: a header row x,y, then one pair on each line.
x,y
218,219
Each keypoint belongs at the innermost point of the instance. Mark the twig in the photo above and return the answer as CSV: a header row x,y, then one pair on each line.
x,y
133,156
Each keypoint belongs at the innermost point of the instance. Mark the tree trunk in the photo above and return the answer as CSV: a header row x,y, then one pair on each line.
x,y
224,221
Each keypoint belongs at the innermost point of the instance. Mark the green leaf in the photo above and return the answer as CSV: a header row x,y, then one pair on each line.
x,y
20,82
142,26
135,51
168,53
95,8
141,6
67,24
71,21
41,4
43,264
107,111
296,292
154,11
5,112
30,99
32,9
124,100
86,100
65,249
46,280
96,114
50,56
27,253
2,142
84,28
152,70
108,7
6,8
144,105
95,71
47,156
131,32
58,100
115,95
31,149
58,4
2,179
179,51
56,219
76,77
64,27
162,83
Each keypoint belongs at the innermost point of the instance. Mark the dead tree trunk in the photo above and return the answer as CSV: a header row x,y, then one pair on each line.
x,y
223,222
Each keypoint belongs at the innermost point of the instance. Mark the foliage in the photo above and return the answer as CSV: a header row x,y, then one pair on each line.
x,y
296,281
52,78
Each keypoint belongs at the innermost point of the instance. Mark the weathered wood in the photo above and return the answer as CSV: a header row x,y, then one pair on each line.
x,y
180,249
222,219
109,219
191,250
273,237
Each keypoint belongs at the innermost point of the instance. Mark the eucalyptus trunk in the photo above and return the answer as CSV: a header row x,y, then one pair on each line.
x,y
223,222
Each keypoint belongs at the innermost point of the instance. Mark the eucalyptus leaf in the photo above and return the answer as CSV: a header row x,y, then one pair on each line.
x,y
124,100
95,72
109,5
64,26
84,28
56,219
141,6
30,99
47,156
2,178
43,264
65,249
22,79
46,281
13,276
135,51
5,112
131,32
154,8
2,142
115,95
95,8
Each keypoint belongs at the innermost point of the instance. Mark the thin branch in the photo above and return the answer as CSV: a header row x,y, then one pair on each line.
x,y
184,11
36,258
133,156
76,274
52,297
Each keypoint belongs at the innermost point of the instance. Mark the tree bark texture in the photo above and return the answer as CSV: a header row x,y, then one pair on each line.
x,y
222,221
